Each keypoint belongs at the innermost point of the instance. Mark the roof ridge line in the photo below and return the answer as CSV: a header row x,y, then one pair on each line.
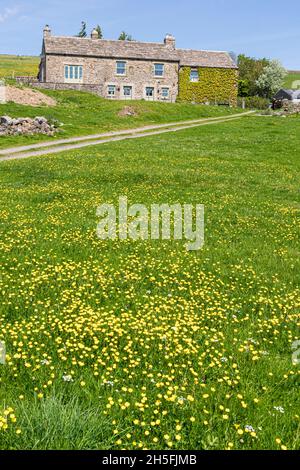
x,y
107,40
138,42
201,50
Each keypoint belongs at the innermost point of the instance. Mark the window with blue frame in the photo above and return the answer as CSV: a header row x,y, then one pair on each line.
x,y
165,92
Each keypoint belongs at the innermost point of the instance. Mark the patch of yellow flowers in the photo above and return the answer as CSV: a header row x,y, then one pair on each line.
x,y
7,420
171,358
174,353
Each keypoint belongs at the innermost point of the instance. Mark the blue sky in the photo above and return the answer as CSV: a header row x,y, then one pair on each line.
x,y
257,28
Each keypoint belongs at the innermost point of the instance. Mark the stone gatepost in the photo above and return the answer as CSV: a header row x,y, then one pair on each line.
x,y
2,92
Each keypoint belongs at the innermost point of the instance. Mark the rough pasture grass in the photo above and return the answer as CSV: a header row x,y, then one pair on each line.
x,y
290,78
131,345
12,66
85,114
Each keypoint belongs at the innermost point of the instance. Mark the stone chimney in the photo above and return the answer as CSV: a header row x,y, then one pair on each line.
x,y
170,41
95,34
47,31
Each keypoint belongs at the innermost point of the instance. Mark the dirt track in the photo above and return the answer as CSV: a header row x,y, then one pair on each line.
x,y
48,148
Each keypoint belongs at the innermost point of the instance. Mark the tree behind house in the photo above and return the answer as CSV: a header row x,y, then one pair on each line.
x,y
250,70
271,80
82,33
125,37
99,31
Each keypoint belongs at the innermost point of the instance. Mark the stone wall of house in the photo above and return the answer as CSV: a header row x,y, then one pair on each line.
x,y
99,72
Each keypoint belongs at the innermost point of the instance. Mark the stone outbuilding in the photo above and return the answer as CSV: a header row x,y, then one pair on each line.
x,y
291,95
288,100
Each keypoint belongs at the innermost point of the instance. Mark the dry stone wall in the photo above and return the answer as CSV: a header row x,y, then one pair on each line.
x,y
25,126
291,106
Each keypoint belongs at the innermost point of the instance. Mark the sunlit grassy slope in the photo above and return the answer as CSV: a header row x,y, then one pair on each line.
x,y
290,80
12,66
141,344
84,113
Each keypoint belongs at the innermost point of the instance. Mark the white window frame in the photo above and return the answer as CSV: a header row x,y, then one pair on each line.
x,y
163,70
125,68
70,73
194,79
111,95
148,97
127,97
165,97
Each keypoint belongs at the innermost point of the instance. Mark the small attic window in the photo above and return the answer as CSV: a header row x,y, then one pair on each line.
x,y
194,77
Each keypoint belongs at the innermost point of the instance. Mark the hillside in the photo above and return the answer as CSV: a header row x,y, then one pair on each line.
x,y
290,78
11,65
82,113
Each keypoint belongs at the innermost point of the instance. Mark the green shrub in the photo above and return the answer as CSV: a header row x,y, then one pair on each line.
x,y
254,102
244,88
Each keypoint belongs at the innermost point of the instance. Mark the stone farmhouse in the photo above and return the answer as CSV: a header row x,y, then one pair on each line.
x,y
132,70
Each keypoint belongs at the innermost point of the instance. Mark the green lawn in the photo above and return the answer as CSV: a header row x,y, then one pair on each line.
x,y
291,78
126,345
12,66
84,114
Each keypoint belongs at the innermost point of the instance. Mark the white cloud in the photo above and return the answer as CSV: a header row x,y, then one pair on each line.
x,y
7,13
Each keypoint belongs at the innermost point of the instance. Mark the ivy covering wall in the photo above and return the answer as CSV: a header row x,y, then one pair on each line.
x,y
215,85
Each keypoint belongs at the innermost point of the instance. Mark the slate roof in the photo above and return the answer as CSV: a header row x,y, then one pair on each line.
x,y
86,47
287,94
205,58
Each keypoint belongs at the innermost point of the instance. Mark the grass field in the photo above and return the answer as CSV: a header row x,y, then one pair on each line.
x,y
291,78
85,114
12,66
126,345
